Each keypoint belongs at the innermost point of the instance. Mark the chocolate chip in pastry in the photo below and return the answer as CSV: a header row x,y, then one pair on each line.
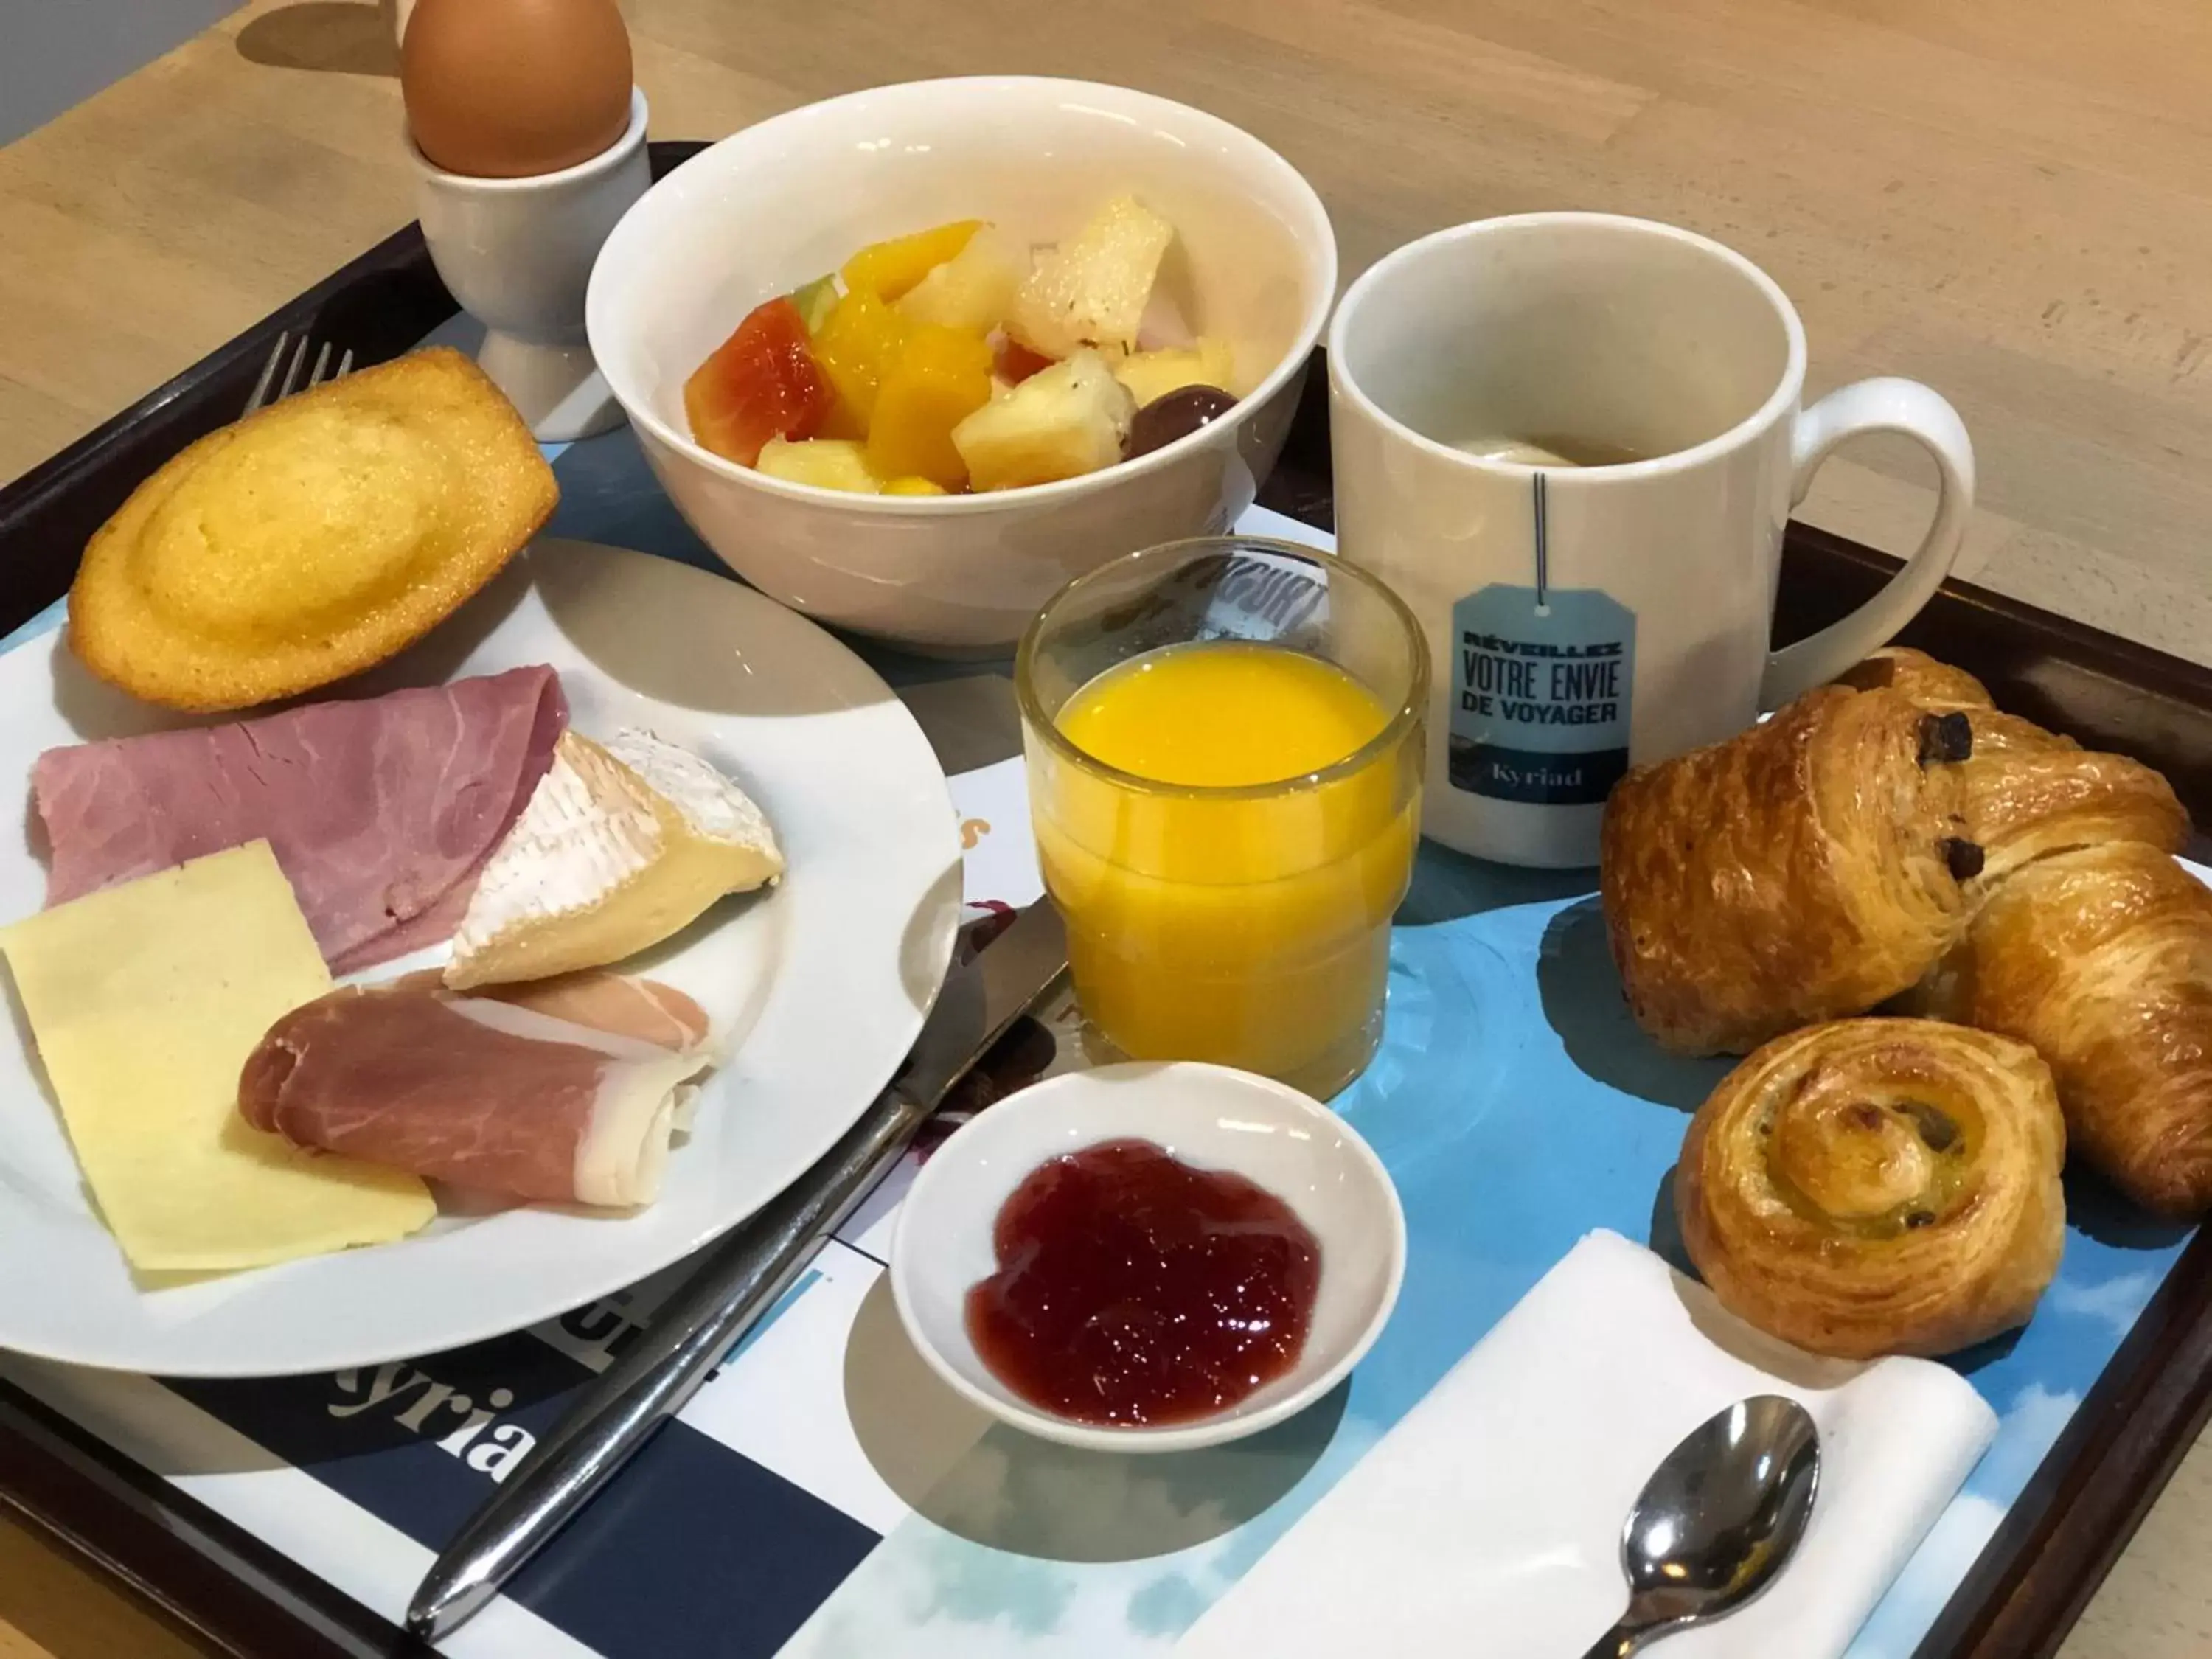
x,y
1878,1185
1930,684
1946,738
1964,859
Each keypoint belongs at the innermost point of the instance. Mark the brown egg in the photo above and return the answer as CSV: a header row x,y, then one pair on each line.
x,y
510,88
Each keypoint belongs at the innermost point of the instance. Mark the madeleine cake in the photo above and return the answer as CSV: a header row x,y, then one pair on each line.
x,y
311,539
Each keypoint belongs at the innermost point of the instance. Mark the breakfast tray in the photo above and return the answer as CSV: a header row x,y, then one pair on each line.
x,y
822,1494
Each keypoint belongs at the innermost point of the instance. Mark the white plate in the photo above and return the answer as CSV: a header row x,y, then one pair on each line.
x,y
821,984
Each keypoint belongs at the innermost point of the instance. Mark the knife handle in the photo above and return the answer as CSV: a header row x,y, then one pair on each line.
x,y
690,1334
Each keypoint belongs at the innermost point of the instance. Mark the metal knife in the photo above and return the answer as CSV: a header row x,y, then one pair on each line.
x,y
740,1278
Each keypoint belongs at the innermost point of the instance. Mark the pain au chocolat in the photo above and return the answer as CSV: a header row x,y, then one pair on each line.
x,y
1804,870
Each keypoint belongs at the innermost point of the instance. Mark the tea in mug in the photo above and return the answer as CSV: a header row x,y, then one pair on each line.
x,y
1550,450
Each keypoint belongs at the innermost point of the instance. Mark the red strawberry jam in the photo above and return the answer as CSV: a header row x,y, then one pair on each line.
x,y
1134,1290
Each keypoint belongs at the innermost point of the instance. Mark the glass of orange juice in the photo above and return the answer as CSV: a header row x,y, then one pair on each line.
x,y
1224,749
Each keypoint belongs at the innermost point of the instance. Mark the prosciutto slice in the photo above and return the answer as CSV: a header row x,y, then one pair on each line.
x,y
381,812
487,1092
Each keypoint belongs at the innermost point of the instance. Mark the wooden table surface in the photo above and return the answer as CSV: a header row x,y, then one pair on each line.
x,y
2012,202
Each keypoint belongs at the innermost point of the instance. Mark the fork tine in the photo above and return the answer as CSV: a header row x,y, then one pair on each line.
x,y
268,373
269,390
292,371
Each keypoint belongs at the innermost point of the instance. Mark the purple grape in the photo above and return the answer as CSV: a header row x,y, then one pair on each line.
x,y
1177,415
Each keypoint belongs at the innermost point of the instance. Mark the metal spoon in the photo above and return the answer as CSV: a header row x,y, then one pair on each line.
x,y
1716,1521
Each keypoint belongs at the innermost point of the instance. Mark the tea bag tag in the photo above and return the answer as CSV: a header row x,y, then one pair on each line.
x,y
1540,684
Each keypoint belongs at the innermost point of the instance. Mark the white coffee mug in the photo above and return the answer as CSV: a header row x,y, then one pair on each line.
x,y
1584,617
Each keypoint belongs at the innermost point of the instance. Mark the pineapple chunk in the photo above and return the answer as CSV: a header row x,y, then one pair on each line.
x,y
914,486
973,291
1151,376
825,462
1060,423
1091,290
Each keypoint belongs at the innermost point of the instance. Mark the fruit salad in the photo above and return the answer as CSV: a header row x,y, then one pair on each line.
x,y
956,360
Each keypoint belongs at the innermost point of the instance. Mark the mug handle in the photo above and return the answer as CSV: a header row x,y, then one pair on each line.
x,y
1884,404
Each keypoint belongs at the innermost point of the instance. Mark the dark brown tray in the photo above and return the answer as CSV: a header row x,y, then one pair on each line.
x,y
2031,1580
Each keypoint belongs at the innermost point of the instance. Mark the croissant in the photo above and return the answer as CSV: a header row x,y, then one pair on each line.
x,y
1878,1185
2101,957
2085,940
1806,869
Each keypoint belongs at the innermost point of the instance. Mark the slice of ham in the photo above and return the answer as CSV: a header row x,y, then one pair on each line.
x,y
381,812
484,1092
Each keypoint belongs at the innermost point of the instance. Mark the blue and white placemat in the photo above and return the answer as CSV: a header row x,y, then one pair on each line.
x,y
825,1495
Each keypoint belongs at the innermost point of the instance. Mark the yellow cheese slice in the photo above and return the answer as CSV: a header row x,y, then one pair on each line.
x,y
620,845
145,999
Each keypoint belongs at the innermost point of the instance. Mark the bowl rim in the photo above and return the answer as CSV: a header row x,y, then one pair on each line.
x,y
1041,1099
963,90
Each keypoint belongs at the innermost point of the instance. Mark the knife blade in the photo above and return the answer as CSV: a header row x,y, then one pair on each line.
x,y
739,1280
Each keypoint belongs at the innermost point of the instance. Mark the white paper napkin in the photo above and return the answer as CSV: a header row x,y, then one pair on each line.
x,y
1487,1522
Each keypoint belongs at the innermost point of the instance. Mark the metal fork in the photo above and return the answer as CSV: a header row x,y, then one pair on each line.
x,y
263,395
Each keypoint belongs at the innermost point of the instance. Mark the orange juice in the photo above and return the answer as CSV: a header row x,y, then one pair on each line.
x,y
1229,898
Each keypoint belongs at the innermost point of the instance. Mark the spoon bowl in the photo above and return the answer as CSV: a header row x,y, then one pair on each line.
x,y
1716,1521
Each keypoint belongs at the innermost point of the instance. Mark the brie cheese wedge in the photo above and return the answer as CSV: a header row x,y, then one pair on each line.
x,y
620,845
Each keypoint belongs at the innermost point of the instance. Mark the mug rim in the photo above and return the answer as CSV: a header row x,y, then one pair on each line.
x,y
1788,392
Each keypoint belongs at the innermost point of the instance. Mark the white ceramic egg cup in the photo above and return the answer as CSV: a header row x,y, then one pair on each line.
x,y
517,254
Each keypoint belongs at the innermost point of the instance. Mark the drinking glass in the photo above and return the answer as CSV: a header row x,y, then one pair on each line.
x,y
1245,924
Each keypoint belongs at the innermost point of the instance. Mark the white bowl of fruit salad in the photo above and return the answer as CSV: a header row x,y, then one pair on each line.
x,y
911,359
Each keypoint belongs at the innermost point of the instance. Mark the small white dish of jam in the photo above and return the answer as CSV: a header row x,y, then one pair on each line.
x,y
1149,1258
